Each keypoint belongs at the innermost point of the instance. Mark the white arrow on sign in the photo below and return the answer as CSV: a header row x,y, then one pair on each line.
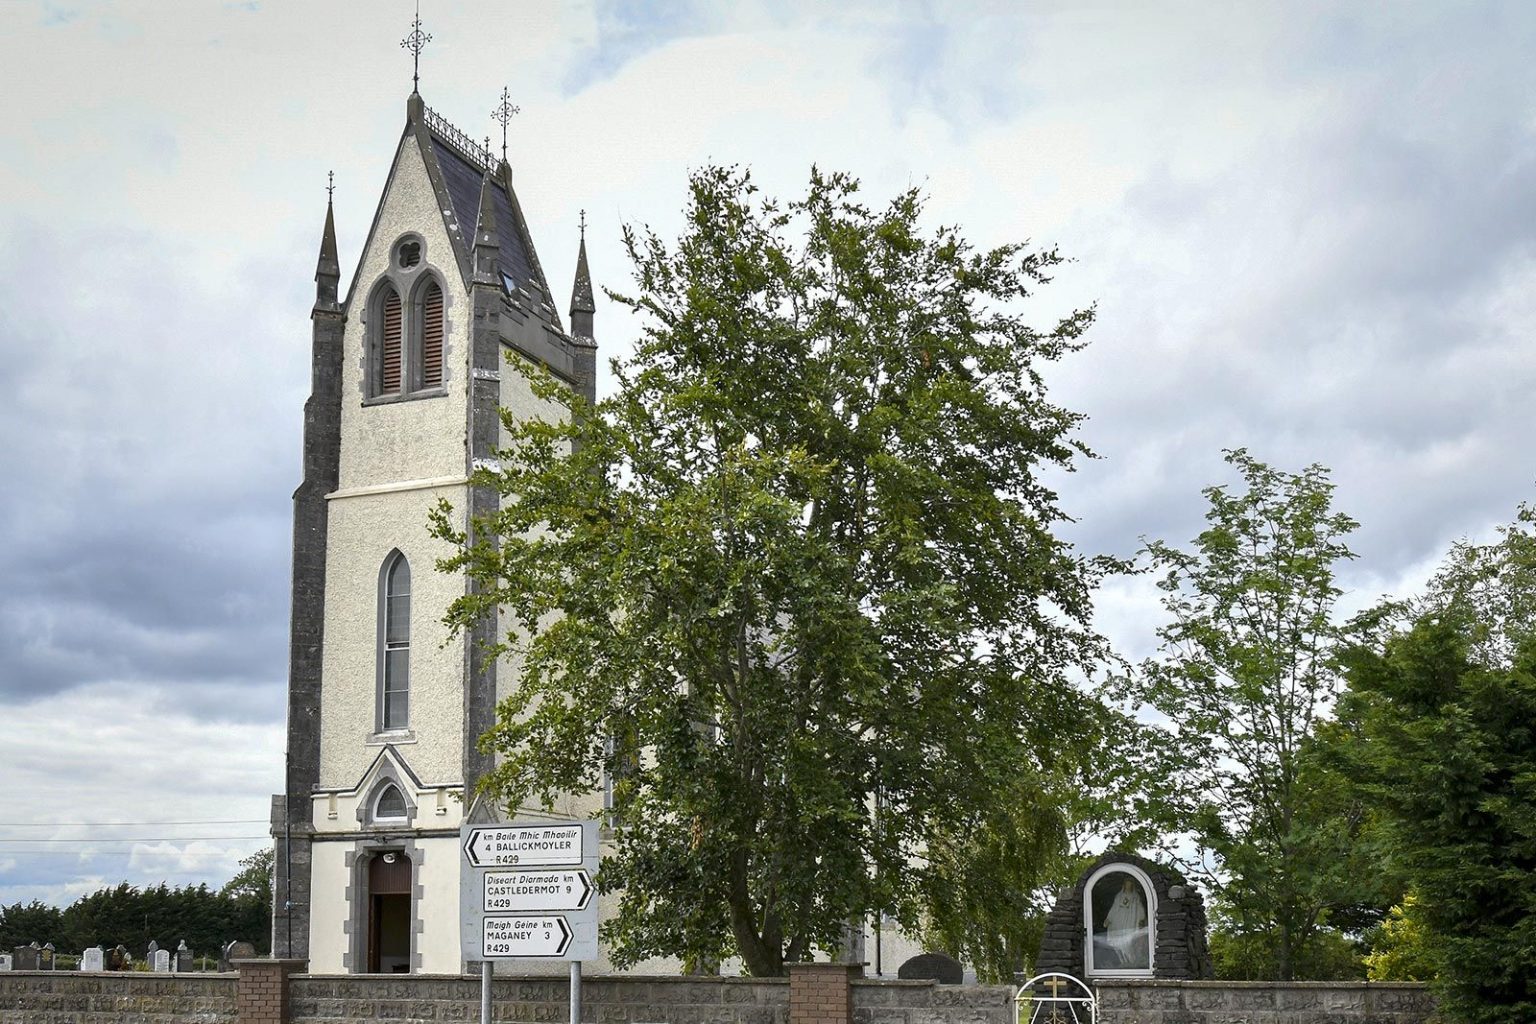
x,y
524,845
537,890
536,936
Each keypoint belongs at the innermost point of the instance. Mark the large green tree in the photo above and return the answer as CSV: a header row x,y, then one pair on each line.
x,y
1445,752
1246,674
796,584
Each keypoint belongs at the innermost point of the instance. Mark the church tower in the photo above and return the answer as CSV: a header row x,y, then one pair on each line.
x,y
409,372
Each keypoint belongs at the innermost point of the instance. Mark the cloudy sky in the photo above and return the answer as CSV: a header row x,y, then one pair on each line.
x,y
1308,228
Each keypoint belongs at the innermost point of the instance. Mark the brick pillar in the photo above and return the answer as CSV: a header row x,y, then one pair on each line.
x,y
820,993
261,994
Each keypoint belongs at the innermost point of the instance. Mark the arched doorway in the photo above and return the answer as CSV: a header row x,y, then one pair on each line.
x,y
389,913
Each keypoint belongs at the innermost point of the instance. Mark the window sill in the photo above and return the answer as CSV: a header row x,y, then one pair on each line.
x,y
407,396
394,737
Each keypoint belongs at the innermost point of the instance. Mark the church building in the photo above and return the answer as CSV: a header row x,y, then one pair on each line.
x,y
409,371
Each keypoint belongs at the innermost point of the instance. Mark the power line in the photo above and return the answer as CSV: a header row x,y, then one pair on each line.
x,y
90,852
114,824
135,839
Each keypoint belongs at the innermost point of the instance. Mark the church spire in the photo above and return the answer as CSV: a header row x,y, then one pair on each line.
x,y
328,267
487,238
582,304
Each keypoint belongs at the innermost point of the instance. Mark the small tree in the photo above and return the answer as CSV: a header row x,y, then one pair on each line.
x,y
1246,674
1402,949
796,586
253,882
246,900
1491,590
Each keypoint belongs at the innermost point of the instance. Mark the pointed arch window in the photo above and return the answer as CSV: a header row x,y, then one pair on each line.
x,y
406,328
395,644
432,336
390,805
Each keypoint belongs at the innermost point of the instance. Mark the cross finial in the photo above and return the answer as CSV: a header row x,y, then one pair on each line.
x,y
503,114
330,185
487,151
583,225
416,41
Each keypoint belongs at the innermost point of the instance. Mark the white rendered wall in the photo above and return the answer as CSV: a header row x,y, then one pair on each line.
x,y
517,393
413,439
328,910
438,908
364,529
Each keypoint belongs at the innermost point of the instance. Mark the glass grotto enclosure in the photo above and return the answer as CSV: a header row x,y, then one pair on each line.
x,y
1127,917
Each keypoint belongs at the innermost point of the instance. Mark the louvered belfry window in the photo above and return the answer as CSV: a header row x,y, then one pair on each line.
x,y
432,337
390,350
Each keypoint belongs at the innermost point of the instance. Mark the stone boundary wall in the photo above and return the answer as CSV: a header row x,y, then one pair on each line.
x,y
1263,1002
69,997
72,997
337,998
923,1002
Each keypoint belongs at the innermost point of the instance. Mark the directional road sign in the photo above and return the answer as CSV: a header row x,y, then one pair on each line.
x,y
567,889
526,892
539,936
524,845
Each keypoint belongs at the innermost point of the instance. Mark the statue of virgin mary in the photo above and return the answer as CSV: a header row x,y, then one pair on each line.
x,y
1125,925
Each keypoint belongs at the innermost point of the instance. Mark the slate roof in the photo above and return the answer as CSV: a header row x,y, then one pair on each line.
x,y
462,179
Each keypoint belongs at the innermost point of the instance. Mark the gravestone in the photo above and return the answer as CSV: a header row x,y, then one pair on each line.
x,y
1127,916
149,954
118,958
945,970
183,958
236,949
25,958
45,958
93,959
162,961
5,961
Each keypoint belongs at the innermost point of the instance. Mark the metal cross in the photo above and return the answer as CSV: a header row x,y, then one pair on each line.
x,y
416,42
503,114
583,225
330,185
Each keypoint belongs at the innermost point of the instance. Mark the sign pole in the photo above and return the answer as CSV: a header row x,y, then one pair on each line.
x,y
575,992
487,968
